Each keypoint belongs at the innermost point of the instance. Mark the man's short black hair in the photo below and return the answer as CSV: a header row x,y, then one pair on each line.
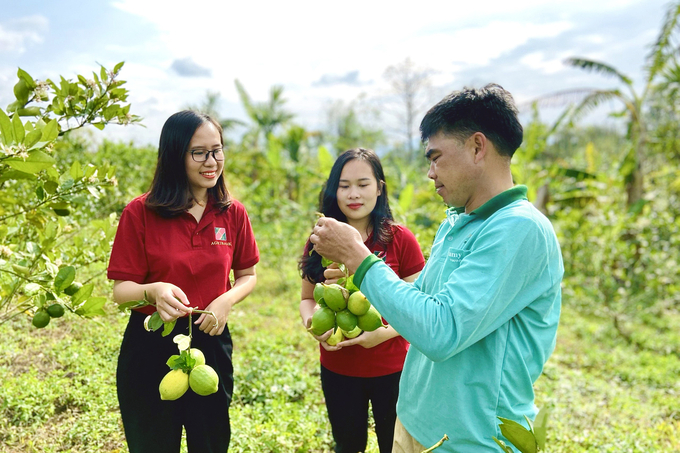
x,y
490,110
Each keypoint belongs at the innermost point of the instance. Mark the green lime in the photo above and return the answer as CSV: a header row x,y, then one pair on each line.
x,y
73,288
322,321
55,310
335,338
41,318
357,303
335,296
318,292
346,320
203,380
370,321
174,385
197,355
353,333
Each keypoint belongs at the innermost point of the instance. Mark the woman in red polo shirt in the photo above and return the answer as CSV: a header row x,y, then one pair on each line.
x,y
368,367
178,244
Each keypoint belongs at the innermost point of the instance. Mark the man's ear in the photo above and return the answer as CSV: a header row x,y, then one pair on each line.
x,y
481,144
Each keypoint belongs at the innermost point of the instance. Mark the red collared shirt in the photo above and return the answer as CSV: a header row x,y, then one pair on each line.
x,y
195,256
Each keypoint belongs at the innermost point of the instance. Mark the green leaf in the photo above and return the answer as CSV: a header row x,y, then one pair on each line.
x,y
99,126
82,294
29,111
18,126
541,426
64,278
349,284
93,307
6,128
518,435
117,68
34,163
50,131
155,322
93,191
25,76
325,160
174,362
133,304
325,262
21,92
51,186
76,171
406,197
89,170
14,106
32,138
168,327
31,289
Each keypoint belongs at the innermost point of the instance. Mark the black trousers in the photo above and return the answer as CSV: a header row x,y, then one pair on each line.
x,y
347,400
154,425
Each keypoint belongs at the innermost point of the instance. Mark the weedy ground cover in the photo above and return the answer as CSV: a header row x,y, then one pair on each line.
x,y
58,383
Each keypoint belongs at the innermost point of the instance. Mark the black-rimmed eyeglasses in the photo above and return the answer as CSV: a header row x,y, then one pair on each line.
x,y
201,155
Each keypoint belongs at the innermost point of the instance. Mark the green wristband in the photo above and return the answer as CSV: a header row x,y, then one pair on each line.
x,y
365,265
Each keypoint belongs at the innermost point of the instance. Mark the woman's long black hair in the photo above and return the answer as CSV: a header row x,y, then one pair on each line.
x,y
169,194
381,216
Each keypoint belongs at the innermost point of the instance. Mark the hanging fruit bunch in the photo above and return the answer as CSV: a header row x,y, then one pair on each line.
x,y
188,368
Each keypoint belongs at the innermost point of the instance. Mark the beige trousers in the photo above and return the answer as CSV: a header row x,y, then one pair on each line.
x,y
403,442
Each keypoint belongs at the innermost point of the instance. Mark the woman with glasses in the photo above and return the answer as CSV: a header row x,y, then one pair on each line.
x,y
367,367
175,247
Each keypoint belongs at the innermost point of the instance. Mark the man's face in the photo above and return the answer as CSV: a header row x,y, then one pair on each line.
x,y
452,168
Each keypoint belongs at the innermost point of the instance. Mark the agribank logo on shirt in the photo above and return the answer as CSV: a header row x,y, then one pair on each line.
x,y
220,237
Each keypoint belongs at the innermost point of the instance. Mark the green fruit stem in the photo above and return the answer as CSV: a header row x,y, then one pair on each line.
x,y
437,445
195,310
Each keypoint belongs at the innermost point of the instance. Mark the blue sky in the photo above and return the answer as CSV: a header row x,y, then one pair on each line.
x,y
321,52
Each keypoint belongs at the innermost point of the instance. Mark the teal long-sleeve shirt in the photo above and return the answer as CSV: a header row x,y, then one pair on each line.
x,y
481,319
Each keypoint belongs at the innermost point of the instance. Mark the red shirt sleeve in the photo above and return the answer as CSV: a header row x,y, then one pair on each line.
x,y
246,253
128,257
410,256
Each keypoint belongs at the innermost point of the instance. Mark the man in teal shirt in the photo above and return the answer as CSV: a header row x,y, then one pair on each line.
x,y
482,316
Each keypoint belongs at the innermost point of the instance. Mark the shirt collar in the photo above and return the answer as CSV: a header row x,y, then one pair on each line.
x,y
485,211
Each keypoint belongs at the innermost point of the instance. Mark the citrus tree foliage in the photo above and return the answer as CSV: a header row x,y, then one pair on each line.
x,y
45,242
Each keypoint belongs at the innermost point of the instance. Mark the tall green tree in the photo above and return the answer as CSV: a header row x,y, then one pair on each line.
x,y
265,116
635,104
210,106
45,240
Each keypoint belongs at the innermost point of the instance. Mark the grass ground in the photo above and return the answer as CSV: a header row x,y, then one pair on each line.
x,y
58,384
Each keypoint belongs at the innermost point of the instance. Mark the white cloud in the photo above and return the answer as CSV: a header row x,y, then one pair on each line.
x,y
297,43
19,34
539,61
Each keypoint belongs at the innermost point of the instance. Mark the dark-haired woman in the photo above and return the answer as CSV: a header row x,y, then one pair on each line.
x,y
368,367
177,245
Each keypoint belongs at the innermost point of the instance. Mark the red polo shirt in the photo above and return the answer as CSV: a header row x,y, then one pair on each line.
x,y
195,256
405,258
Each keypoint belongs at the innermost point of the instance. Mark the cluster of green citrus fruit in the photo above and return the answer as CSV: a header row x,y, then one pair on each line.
x,y
42,316
201,378
348,313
